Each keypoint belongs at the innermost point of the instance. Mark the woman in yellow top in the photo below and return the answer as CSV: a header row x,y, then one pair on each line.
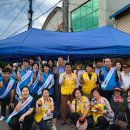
x,y
89,80
45,111
80,108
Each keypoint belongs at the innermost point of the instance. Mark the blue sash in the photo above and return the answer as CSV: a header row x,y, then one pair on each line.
x,y
24,105
23,80
8,88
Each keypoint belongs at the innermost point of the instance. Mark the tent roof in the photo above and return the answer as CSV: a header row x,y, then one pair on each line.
x,y
102,42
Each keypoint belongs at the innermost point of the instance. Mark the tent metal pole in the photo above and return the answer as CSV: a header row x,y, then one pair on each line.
x,y
68,58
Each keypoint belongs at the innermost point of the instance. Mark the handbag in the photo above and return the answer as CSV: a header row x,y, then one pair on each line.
x,y
120,123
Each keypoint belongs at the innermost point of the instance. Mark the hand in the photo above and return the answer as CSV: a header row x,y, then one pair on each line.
x,y
21,98
56,71
19,78
81,76
102,73
21,119
39,58
11,105
81,118
91,104
49,112
64,76
39,103
1,84
69,103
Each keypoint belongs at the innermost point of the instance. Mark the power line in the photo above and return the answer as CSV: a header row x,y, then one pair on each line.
x,y
37,18
12,3
14,19
42,12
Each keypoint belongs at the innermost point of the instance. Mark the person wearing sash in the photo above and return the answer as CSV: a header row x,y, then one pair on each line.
x,y
45,111
47,81
7,92
36,81
80,108
89,80
68,84
25,76
109,79
13,71
23,114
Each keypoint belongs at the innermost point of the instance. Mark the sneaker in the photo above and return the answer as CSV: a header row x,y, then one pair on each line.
x,y
53,127
2,118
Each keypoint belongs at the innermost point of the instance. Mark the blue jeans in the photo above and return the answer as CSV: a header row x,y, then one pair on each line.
x,y
43,125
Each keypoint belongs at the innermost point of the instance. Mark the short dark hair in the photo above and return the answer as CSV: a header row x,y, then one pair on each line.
x,y
78,63
108,58
45,89
68,63
35,63
9,64
6,69
89,64
61,57
46,65
77,89
32,58
96,89
25,87
99,60
25,60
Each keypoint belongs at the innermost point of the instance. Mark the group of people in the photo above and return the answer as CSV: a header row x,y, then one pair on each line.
x,y
98,96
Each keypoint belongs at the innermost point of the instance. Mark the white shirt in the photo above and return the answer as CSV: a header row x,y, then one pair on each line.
x,y
125,80
78,77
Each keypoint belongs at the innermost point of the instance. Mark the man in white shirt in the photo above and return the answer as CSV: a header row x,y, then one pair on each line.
x,y
125,77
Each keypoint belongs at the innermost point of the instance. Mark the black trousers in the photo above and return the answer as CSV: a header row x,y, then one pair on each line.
x,y
5,102
27,123
102,121
75,116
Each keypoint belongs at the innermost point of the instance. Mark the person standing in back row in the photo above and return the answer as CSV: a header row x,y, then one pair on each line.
x,y
109,79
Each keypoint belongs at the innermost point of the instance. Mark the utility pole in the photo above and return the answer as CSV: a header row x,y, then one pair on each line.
x,y
30,13
65,15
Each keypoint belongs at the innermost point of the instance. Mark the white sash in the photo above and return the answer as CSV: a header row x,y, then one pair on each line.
x,y
107,79
22,80
36,81
45,84
26,103
10,84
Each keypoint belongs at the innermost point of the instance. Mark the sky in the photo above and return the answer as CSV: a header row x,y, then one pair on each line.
x,y
13,17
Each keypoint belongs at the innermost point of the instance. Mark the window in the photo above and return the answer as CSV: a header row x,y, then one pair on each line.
x,y
86,16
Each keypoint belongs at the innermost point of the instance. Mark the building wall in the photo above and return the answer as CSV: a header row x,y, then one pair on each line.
x,y
55,20
122,22
106,9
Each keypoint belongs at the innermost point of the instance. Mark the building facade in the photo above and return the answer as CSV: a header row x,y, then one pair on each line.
x,y
90,14
54,21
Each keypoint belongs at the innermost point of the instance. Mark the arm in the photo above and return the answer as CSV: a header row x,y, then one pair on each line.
x,y
52,83
41,78
30,82
81,79
62,78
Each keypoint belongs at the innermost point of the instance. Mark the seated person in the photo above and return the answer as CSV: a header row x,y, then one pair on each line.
x,y
118,105
45,111
80,107
22,116
102,112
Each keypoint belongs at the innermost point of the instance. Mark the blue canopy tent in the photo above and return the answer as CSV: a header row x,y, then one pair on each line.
x,y
100,42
